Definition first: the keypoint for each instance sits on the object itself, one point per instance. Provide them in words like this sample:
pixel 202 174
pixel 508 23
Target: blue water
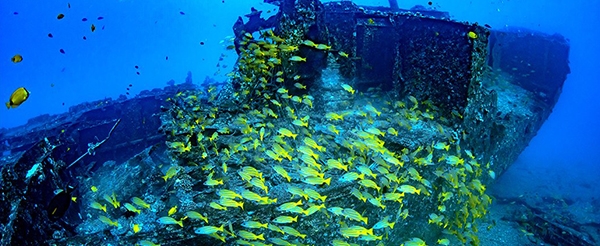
pixel 144 33
pixel 135 33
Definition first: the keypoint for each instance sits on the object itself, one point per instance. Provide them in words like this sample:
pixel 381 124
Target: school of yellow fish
pixel 268 165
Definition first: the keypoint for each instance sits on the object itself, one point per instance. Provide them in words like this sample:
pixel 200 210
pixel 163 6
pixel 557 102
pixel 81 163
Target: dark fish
pixel 201 43
pixel 15 13
pixel 93 28
pixel 62 51
pixel 430 3
pixel 69 5
pixel 181 12
pixel 84 38
pixel 136 67
pixel 60 16
pixel 84 19
pixel 102 27
pixel 127 88
pixel 59 204
pixel 130 85
pixel 167 58
pixel 50 35
pixel 138 73
pixel 488 26
pixel 100 18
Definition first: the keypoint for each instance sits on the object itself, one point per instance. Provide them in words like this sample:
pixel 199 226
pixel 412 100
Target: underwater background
pixel 140 45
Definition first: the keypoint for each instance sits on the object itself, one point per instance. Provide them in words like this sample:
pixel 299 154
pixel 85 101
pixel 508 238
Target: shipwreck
pixel 400 116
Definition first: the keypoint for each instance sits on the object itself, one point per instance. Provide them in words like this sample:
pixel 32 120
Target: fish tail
pixel 8 105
